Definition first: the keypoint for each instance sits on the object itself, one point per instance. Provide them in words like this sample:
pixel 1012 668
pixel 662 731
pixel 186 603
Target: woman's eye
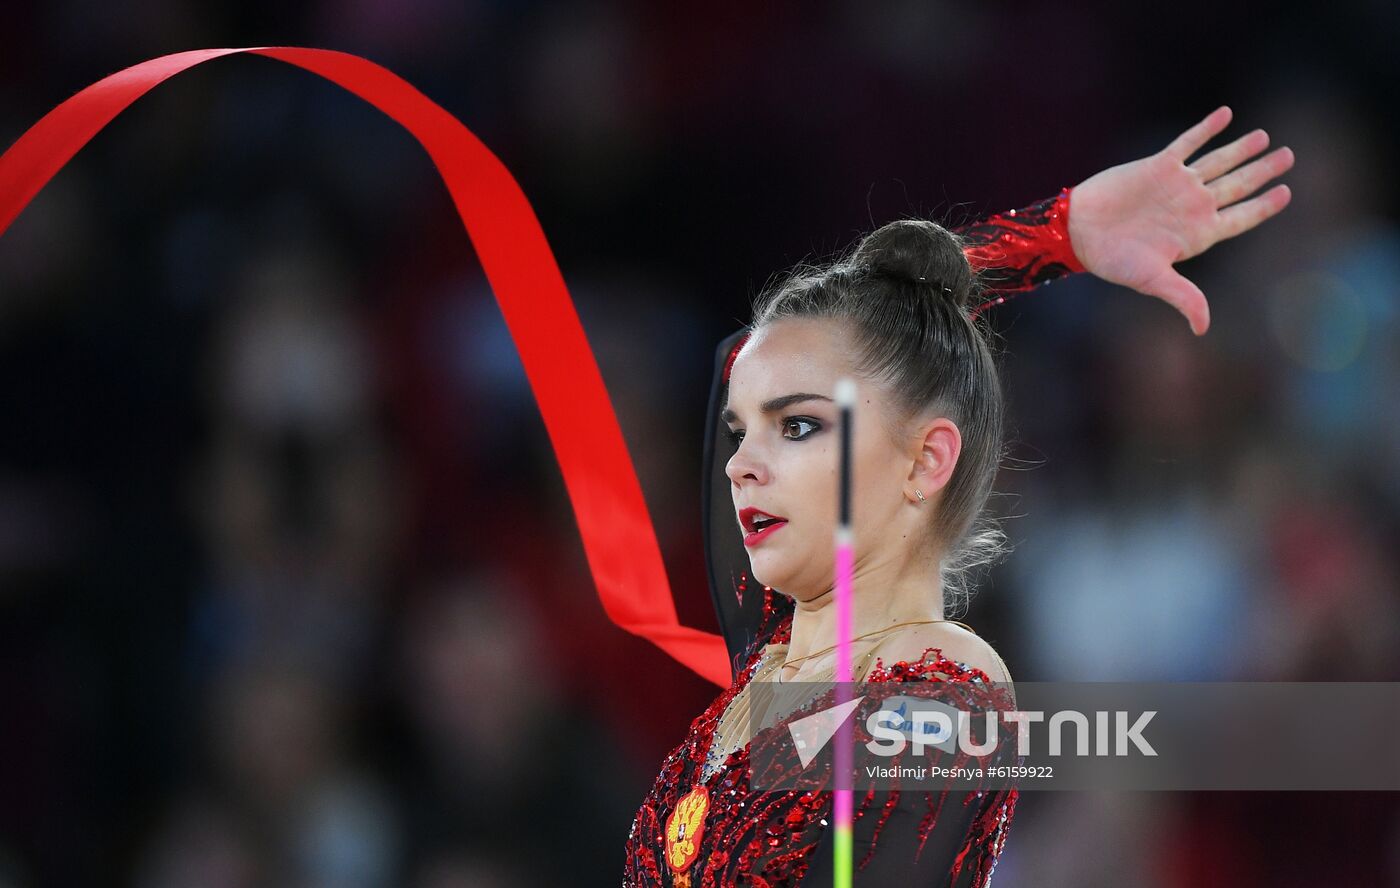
pixel 735 436
pixel 792 422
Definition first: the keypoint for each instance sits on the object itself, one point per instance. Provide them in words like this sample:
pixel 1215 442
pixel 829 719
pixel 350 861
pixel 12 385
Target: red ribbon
pixel 618 536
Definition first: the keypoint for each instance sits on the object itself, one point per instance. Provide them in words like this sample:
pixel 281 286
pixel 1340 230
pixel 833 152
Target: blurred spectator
pixel 494 745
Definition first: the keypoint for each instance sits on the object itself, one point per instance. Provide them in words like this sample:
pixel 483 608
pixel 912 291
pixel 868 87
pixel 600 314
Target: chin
pixel 784 582
pixel 769 571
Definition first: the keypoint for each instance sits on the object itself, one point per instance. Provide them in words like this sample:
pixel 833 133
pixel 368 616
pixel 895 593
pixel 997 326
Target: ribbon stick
pixel 845 569
pixel 618 536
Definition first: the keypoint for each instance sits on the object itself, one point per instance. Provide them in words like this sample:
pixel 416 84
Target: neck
pixel 883 595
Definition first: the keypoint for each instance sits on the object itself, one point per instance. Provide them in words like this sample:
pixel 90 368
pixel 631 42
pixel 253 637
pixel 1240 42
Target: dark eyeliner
pixel 816 426
pixel 736 436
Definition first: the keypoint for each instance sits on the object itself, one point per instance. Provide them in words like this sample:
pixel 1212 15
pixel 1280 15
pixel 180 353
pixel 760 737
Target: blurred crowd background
pixel 291 593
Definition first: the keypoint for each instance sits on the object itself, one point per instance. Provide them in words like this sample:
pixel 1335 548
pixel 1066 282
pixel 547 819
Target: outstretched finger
pixel 1189 142
pixel 1239 218
pixel 1222 160
pixel 1246 180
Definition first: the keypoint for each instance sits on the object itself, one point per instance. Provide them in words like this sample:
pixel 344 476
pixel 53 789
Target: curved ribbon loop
pixel 618 536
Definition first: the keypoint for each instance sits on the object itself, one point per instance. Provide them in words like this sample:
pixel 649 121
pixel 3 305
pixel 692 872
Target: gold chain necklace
pixel 735 717
pixel 787 663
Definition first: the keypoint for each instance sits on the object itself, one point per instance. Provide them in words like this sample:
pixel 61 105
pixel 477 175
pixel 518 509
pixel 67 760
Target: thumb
pixel 1182 295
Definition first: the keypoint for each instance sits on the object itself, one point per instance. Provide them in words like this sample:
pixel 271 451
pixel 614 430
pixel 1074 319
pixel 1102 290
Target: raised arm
pixel 1131 223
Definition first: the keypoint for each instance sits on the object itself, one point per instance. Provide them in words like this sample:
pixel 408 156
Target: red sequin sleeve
pixel 1018 250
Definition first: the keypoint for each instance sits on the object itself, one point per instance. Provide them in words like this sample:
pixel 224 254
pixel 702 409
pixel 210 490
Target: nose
pixel 744 468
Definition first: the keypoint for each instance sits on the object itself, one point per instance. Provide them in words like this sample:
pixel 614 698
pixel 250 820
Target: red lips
pixel 748 514
pixel 758 524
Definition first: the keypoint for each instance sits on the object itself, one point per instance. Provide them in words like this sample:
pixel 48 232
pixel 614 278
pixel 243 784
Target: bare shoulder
pixel 956 643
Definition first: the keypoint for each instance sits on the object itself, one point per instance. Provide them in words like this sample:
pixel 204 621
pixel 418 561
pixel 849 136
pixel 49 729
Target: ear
pixel 939 444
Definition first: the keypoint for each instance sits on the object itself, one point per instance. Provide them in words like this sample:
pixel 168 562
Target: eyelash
pixel 736 437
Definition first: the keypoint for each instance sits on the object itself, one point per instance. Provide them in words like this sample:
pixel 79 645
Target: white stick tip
pixel 845 392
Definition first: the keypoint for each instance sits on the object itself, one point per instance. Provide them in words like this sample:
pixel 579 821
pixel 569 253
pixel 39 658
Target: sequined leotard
pixel 749 837
pixel 775 838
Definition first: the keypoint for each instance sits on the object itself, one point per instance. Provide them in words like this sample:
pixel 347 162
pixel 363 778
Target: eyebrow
pixel 776 404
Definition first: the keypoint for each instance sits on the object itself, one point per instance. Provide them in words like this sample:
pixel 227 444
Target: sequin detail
pixel 1017 251
pixel 752 837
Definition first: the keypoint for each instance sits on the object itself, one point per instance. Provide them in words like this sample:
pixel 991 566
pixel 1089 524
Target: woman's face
pixel 787 463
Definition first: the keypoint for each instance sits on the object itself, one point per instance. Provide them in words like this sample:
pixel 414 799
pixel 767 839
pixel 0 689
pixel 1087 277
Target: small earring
pixel 920 494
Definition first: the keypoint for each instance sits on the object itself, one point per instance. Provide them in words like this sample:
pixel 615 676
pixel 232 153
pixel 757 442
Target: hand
pixel 1129 223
